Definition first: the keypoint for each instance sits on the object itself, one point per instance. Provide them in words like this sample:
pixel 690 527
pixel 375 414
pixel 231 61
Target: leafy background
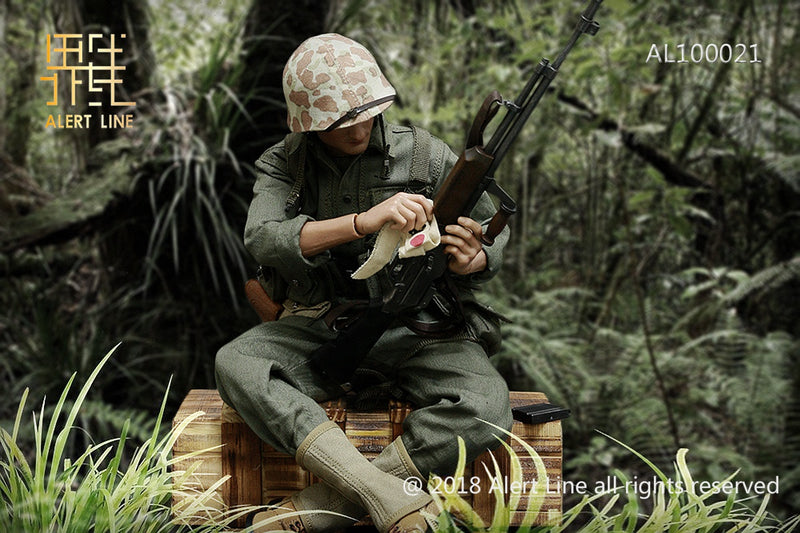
pixel 653 274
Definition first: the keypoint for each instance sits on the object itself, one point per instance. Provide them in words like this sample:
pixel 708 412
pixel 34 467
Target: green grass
pixel 103 489
pixel 670 511
pixel 109 489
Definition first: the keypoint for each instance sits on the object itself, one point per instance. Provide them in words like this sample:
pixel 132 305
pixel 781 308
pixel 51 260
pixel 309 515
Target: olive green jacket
pixel 334 188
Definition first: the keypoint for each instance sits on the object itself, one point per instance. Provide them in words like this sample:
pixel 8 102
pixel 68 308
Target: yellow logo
pixel 77 60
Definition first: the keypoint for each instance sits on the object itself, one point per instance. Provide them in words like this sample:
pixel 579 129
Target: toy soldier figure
pixel 321 197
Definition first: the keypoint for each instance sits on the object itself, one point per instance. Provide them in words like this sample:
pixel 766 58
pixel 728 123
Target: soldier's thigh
pixel 279 349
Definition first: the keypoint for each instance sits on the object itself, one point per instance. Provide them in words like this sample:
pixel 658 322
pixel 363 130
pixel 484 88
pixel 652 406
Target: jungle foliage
pixel 654 269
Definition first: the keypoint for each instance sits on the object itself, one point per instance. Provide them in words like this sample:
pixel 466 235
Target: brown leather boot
pixel 420 521
pixel 283 517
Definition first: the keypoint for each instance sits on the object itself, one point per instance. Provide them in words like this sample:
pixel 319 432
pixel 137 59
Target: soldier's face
pixel 352 140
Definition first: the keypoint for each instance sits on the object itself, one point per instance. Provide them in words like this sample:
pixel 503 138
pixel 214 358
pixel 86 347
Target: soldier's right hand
pixel 403 211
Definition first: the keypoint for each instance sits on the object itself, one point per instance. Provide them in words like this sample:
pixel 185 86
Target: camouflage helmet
pixel 331 81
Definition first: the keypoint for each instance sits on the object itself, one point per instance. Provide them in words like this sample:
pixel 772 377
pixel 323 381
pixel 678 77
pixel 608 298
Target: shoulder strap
pixel 295 146
pixel 419 179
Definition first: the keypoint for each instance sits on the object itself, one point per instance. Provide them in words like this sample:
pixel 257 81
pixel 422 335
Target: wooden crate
pixel 259 474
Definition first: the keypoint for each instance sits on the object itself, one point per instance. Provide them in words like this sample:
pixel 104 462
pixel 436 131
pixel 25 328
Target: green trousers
pixel 265 375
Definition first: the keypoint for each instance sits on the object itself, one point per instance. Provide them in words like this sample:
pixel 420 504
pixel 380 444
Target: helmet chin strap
pixel 353 113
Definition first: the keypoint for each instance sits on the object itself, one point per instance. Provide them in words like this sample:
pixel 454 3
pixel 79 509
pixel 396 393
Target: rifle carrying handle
pixel 498 222
pixel 489 108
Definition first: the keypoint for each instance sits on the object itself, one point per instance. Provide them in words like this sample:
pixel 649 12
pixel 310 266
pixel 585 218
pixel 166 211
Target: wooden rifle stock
pixel 463 186
pixel 454 196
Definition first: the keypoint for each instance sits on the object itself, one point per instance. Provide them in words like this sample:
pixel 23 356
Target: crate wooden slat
pixel 203 433
pixel 241 458
pixel 259 474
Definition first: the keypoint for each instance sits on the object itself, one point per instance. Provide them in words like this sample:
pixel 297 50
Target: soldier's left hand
pixel 463 243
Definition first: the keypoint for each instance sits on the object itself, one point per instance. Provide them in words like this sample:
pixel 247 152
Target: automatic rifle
pixel 473 174
pixel 416 280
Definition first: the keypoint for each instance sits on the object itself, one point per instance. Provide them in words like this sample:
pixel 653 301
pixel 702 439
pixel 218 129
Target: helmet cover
pixel 331 80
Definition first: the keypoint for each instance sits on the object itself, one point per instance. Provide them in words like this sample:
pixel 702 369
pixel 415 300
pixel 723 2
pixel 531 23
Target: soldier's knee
pixel 502 410
pixel 493 405
pixel 223 369
pixel 234 359
pixel 223 362
pixel 491 408
pixel 233 369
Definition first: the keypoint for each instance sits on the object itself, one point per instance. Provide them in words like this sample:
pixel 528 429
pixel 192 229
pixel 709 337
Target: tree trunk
pixel 268 43
pixel 20 32
pixel 5 68
pixel 129 18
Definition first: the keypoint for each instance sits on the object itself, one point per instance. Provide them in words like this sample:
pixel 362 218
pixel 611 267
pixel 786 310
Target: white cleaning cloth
pixel 388 240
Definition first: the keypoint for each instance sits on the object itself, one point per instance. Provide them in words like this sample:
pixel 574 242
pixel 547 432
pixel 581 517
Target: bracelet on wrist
pixel 355 227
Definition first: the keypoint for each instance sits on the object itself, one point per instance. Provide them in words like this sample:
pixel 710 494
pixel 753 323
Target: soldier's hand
pixel 463 242
pixel 403 210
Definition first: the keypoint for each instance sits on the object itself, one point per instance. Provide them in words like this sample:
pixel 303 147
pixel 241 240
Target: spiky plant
pixel 45 490
pixel 677 504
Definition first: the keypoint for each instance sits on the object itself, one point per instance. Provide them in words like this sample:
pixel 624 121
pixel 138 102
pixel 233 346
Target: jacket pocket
pixel 379 194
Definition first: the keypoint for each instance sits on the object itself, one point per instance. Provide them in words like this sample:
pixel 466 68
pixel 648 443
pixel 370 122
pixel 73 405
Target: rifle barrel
pixel 545 72
pixel 513 112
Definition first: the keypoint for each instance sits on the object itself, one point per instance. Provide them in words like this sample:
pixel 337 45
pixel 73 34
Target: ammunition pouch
pixel 292 308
